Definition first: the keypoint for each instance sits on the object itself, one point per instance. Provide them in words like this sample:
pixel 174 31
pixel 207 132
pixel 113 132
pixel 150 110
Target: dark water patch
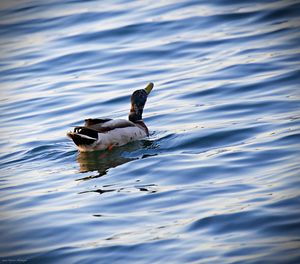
pixel 236 223
pixel 287 13
pixel 217 139
pixel 248 251
pixel 35 25
pixel 50 152
pixel 252 108
pixel 9 156
pixel 267 86
pixel 58 64
pixel 31 26
pixel 8 106
pixel 78 106
pixel 127 32
pixel 265 158
pixel 121 99
pixel 240 70
pixel 70 60
pixel 274 83
pixel 291 203
pixel 229 190
pixel 294 138
pixel 146 30
pixel 115 253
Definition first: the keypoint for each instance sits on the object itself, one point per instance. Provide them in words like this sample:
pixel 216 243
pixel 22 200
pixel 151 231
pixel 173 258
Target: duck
pixel 106 133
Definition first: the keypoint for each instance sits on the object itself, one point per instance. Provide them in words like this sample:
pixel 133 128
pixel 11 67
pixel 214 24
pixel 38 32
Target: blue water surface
pixel 217 181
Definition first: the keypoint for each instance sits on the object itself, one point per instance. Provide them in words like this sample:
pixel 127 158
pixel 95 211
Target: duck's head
pixel 138 100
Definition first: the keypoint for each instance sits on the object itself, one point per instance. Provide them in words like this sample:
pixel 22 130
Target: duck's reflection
pixel 102 161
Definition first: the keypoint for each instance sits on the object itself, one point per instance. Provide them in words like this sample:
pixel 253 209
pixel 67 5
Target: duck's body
pixel 99 134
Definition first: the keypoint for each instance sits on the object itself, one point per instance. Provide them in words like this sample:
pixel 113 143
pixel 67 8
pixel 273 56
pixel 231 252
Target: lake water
pixel 217 181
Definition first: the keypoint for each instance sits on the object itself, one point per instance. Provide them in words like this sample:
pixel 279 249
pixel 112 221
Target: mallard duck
pixel 105 133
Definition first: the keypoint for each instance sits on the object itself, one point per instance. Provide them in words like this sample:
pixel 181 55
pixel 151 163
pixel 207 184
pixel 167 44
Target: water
pixel 218 179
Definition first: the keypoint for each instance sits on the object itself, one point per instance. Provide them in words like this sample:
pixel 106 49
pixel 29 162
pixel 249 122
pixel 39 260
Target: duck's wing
pixel 96 124
pixel 95 121
pixel 102 125
pixel 111 125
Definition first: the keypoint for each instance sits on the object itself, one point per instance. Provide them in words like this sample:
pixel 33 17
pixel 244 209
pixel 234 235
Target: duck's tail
pixel 83 136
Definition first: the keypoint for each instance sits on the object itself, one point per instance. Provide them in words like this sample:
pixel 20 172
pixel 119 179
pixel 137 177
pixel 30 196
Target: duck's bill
pixel 149 88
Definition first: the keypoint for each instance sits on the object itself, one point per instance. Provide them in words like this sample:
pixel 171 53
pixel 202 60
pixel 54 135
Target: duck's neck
pixel 135 113
pixel 138 100
pixel 142 125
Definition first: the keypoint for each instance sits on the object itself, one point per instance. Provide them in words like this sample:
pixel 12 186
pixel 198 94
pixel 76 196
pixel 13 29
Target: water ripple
pixel 216 181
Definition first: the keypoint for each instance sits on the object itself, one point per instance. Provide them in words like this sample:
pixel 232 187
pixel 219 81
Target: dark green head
pixel 138 101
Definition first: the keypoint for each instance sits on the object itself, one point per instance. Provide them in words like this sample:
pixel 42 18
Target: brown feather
pixel 93 121
pixel 102 127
